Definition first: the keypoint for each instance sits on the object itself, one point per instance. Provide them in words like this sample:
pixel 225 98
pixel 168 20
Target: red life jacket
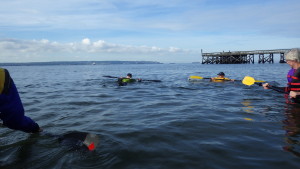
pixel 295 84
pixel 290 74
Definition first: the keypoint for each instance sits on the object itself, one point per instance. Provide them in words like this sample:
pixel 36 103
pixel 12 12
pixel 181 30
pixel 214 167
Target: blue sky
pixel 146 30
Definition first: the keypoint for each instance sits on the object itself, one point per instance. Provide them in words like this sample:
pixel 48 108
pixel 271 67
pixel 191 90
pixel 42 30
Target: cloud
pixel 264 17
pixel 45 50
pixel 86 41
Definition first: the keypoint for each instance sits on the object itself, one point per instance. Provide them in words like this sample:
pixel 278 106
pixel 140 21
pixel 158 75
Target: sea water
pixel 170 124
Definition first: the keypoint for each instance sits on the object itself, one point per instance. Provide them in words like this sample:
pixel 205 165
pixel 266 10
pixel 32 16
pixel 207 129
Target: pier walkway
pixel 243 57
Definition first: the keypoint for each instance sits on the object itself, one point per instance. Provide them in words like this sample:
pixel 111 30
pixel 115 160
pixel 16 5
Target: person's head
pixel 129 75
pixel 293 57
pixel 221 74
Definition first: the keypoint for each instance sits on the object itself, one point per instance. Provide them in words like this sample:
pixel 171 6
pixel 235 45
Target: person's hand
pixel 37 131
pixel 293 94
pixel 265 85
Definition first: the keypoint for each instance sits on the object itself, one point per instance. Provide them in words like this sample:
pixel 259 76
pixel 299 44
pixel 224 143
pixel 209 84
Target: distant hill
pixel 78 63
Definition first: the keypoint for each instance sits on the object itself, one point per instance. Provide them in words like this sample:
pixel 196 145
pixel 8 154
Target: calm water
pixel 172 124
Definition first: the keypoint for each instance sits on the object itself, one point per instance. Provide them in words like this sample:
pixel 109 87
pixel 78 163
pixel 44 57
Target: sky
pixel 145 30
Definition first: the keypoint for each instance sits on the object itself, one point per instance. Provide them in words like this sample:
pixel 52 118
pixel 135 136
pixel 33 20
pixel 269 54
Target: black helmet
pixel 129 74
pixel 221 74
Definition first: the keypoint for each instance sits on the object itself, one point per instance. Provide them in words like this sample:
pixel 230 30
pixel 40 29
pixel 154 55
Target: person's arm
pixel 276 88
pixel 12 111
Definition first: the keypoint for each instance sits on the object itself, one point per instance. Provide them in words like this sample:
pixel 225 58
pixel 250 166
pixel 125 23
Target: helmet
pixel 221 74
pixel 129 74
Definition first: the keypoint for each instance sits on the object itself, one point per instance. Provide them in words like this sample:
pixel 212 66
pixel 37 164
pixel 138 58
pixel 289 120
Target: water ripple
pixel 171 124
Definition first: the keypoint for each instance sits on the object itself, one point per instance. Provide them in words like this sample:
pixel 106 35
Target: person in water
pixel 122 81
pixel 11 107
pixel 293 77
pixel 220 78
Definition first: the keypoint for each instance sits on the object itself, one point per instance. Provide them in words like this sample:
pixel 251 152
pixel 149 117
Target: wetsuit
pixel 11 107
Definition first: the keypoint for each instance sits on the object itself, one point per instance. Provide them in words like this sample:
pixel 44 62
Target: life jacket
pixel 125 80
pixel 293 84
pixel 5 81
pixel 290 74
pixel 218 79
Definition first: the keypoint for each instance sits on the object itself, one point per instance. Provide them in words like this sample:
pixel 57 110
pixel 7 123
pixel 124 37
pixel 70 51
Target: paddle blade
pixel 195 77
pixel 111 76
pixel 152 80
pixel 248 80
pixel 91 141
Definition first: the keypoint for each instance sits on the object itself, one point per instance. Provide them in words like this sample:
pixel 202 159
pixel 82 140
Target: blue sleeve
pixel 12 112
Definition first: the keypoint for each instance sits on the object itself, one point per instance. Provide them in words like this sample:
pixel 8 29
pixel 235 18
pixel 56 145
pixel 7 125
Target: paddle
pixel 127 78
pixel 79 140
pixel 199 77
pixel 76 140
pixel 250 81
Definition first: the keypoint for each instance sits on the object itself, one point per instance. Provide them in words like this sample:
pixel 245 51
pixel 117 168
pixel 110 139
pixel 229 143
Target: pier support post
pixel 282 59
pixel 261 58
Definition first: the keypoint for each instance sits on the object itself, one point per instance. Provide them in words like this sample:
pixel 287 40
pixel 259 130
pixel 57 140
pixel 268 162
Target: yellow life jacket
pixel 217 79
pixel 5 81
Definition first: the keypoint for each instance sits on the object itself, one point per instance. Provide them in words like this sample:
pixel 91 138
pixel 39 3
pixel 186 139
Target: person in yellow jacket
pixel 221 78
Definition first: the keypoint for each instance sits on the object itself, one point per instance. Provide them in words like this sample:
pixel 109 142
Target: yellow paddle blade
pixel 196 77
pixel 248 80
pixel 249 119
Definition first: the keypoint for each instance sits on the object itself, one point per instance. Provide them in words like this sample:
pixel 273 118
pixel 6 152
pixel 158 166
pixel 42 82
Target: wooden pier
pixel 243 57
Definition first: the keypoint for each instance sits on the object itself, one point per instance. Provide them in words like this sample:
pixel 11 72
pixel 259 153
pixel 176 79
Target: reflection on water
pixel 291 122
pixel 292 128
pixel 248 108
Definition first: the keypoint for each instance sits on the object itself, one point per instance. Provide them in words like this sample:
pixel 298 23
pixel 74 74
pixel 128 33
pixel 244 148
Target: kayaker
pixel 220 78
pixel 11 107
pixel 293 87
pixel 122 81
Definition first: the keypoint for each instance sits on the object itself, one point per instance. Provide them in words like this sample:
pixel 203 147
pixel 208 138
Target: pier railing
pixel 243 57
